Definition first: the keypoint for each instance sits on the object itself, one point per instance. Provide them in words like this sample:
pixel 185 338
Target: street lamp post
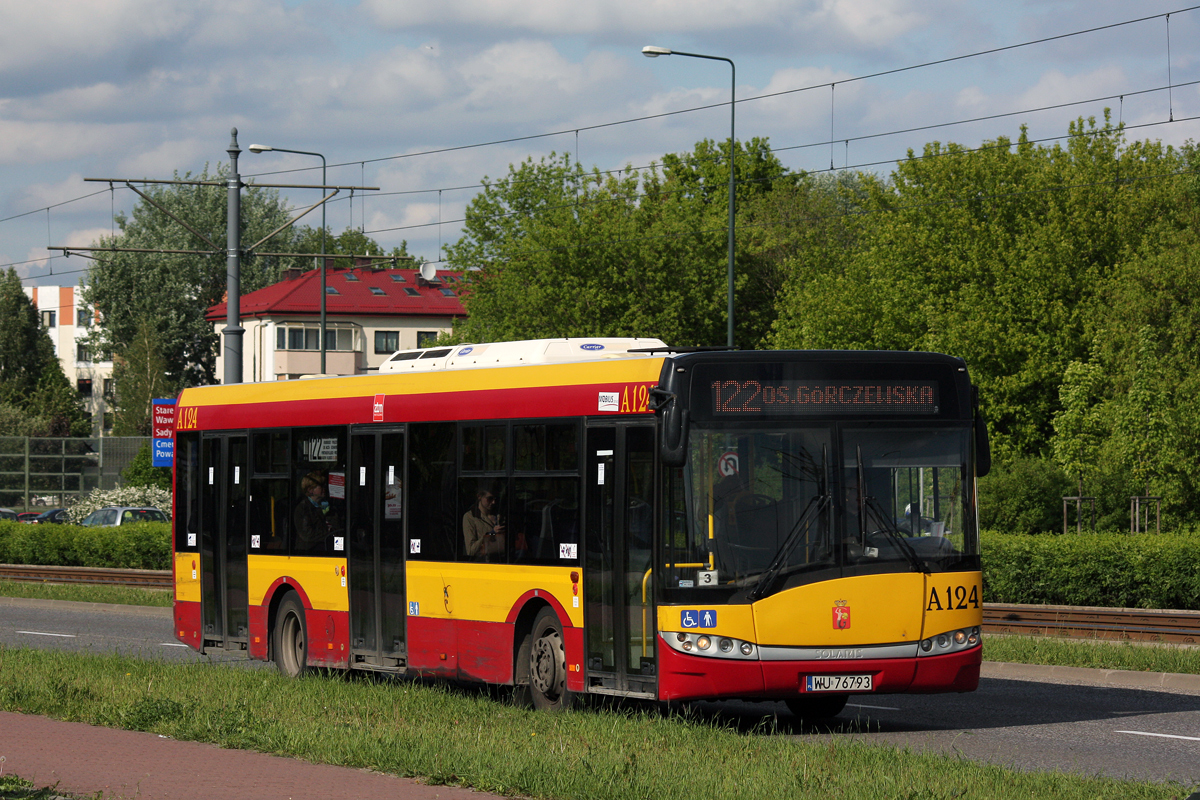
pixel 262 148
pixel 651 51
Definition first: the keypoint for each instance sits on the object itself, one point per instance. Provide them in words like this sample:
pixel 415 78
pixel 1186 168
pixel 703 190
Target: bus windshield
pixel 756 510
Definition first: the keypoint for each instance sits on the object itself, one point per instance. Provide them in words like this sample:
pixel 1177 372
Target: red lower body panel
pixel 260 635
pixel 687 677
pixel 187 623
pixel 328 638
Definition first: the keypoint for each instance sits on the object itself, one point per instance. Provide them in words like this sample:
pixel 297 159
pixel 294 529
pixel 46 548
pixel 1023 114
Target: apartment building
pixel 370 314
pixel 68 322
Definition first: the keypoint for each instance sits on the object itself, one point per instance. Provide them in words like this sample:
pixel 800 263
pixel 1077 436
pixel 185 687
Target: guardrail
pixel 1112 624
pixel 144 578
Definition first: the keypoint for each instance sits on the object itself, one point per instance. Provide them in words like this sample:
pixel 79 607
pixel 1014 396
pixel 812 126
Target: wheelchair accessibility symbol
pixel 698 618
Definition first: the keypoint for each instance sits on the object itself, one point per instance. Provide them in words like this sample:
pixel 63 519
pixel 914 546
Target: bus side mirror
pixel 983 446
pixel 672 449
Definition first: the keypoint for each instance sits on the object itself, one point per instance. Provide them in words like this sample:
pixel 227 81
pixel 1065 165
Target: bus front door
pixel 223 545
pixel 376 557
pixel 619 602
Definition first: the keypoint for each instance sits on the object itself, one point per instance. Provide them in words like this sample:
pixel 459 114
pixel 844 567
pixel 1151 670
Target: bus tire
pixel 826 706
pixel 289 638
pixel 548 664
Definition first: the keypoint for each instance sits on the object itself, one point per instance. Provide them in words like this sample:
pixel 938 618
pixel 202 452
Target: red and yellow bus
pixel 594 516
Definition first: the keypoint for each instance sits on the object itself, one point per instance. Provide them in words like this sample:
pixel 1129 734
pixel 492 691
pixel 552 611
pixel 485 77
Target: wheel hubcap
pixel 546 671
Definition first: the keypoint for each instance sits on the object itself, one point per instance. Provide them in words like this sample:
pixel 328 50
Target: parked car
pixel 8 513
pixel 51 515
pixel 110 516
pixel 26 516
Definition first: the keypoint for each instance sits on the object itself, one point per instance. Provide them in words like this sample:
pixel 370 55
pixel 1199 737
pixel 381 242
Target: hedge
pixel 1115 570
pixel 142 545
pixel 1087 569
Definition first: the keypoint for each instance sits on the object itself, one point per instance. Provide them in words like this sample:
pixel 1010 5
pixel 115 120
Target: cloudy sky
pixel 396 93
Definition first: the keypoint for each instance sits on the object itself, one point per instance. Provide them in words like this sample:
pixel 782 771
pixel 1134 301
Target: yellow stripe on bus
pixel 486 592
pixel 322 579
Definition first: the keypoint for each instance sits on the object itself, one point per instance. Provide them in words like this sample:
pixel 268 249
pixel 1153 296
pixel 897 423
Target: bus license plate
pixel 837 683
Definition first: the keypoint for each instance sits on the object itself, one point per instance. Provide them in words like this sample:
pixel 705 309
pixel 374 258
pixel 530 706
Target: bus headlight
pixel 950 642
pixel 709 645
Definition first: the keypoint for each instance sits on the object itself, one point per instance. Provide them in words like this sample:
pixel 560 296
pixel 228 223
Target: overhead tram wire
pixel 847 167
pixel 575 130
pixel 972 198
pixel 914 157
pixel 823 143
pixel 882 73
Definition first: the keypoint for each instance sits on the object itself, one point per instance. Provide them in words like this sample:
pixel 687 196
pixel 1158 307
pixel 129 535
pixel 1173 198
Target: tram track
pixel 142 578
pixel 1111 624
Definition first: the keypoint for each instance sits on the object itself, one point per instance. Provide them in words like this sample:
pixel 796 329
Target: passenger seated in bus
pixel 312 515
pixel 483 534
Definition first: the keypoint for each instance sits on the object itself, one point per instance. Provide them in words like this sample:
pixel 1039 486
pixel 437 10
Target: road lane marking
pixel 879 708
pixel 172 644
pixel 42 633
pixel 1163 735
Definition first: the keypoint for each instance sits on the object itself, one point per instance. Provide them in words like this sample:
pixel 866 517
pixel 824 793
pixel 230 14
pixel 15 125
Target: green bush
pixel 1117 570
pixel 143 545
pixel 1024 495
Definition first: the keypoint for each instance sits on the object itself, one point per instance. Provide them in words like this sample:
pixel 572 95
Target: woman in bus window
pixel 483 534
pixel 312 515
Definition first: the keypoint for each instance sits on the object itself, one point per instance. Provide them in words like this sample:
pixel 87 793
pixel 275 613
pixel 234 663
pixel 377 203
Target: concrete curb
pixel 1101 677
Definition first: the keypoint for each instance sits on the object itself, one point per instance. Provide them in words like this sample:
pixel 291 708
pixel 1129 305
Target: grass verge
pixel 453 737
pixel 15 788
pixel 122 595
pixel 1094 654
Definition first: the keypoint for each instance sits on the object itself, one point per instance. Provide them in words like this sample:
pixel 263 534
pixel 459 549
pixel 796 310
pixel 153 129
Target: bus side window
pixel 434 517
pixel 319 483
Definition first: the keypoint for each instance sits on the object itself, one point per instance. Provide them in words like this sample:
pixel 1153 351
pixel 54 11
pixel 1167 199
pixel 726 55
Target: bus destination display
pixel 813 397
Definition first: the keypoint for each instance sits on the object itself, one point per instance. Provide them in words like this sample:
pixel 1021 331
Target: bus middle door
pixel 618 597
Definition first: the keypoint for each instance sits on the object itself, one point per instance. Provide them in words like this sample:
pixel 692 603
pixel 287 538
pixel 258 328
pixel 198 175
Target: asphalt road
pixel 1028 720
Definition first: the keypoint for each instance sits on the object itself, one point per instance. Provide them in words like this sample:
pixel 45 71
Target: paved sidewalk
pixel 129 765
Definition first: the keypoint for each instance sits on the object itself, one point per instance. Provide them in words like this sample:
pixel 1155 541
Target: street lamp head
pixel 650 51
pixel 259 148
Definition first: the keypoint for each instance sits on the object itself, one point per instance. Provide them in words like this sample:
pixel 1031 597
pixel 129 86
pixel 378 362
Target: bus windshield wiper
pixel 889 527
pixel 815 506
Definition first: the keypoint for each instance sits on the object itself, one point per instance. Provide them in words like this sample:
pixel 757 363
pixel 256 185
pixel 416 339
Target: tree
pixel 554 250
pixel 351 241
pixel 176 290
pixel 40 400
pixel 1078 426
pixel 25 349
pixel 140 375
pixel 1001 255
pixel 142 472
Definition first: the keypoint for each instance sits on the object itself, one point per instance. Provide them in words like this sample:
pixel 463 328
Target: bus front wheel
pixel 290 638
pixel 548 664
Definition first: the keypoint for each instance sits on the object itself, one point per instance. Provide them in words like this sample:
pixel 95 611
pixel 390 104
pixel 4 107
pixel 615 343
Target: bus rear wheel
pixel 289 639
pixel 548 664
pixel 820 707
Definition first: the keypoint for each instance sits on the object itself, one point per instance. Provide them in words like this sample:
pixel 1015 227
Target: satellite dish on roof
pixel 428 271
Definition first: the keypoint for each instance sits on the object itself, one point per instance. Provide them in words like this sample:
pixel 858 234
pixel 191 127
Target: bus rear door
pixel 223 545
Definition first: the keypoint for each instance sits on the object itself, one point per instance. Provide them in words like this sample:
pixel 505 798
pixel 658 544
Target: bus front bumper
pixel 688 677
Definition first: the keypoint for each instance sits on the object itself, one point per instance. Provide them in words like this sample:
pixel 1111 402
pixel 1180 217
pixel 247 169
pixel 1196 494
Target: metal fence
pixel 40 472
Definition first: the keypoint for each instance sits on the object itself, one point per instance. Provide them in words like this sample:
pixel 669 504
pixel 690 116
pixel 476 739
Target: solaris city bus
pixel 594 516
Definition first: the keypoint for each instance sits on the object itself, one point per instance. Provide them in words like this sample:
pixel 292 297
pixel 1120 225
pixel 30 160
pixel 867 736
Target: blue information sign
pixel 698 618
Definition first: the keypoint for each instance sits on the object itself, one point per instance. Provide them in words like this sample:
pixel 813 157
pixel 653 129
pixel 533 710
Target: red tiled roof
pixel 302 295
